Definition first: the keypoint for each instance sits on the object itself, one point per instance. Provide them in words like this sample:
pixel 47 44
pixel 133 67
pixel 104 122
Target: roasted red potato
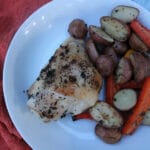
pixel 99 36
pixel 115 28
pixel 120 47
pixel 137 44
pixel 105 65
pixel 78 29
pixel 91 50
pixel 123 71
pixel 108 135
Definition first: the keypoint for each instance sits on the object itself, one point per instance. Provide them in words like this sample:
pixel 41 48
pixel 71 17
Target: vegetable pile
pixel 120 50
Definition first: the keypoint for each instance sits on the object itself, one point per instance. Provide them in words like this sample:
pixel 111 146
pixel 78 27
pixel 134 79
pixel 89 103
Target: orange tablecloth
pixel 12 15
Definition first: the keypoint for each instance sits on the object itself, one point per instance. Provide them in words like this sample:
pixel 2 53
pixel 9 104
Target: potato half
pixel 99 36
pixel 125 13
pixel 123 71
pixel 115 28
pixel 106 115
pixel 125 99
pixel 137 44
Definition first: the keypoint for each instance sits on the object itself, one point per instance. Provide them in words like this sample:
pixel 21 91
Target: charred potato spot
pixel 78 29
pixel 108 135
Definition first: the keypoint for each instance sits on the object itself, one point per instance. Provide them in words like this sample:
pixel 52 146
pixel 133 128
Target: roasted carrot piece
pixel 84 115
pixel 110 89
pixel 130 85
pixel 141 31
pixel 141 107
pixel 128 53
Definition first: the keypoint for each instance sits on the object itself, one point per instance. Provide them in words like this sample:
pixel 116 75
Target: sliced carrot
pixel 141 31
pixel 141 107
pixel 110 89
pixel 84 115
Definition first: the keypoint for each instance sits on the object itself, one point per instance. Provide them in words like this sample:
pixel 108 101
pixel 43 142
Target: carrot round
pixel 141 31
pixel 84 115
pixel 141 107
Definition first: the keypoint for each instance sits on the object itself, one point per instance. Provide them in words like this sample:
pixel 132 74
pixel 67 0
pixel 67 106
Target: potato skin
pixel 108 135
pixel 78 29
pixel 111 52
pixel 141 66
pixel 120 47
pixel 99 36
pixel 137 44
pixel 91 50
pixel 123 71
pixel 117 29
pixel 105 65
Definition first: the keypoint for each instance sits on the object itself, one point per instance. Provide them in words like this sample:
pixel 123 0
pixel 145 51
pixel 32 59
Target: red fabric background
pixel 12 15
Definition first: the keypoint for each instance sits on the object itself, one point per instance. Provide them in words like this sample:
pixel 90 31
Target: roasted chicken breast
pixel 68 84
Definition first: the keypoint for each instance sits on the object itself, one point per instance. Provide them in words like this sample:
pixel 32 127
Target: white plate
pixel 29 51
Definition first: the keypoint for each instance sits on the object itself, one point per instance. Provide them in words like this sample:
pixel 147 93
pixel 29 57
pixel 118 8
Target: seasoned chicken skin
pixel 68 84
